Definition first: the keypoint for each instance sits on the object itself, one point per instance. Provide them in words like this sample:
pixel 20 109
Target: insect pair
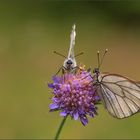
pixel 120 95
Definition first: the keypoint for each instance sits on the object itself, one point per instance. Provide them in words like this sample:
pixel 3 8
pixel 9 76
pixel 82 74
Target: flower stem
pixel 60 128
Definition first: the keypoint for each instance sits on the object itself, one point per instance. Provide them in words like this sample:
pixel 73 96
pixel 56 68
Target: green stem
pixel 60 128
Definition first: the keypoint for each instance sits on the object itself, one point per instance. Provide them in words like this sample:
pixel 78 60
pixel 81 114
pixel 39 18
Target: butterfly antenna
pixel 59 54
pixel 98 57
pixel 106 50
pixel 79 54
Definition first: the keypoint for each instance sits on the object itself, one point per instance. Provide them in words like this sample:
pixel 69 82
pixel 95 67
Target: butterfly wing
pixel 72 43
pixel 121 96
pixel 138 84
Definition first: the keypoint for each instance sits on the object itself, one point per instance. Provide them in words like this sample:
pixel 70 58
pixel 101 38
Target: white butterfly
pixel 120 95
pixel 70 64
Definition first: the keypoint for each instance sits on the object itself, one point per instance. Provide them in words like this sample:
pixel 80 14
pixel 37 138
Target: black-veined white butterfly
pixel 70 64
pixel 120 95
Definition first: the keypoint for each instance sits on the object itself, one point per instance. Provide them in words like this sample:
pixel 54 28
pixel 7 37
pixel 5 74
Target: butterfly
pixel 69 64
pixel 119 94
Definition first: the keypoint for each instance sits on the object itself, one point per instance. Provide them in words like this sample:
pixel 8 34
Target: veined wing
pixel 120 95
pixel 138 84
pixel 72 43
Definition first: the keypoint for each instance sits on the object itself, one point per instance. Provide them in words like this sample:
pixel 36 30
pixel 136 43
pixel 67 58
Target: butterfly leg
pixel 75 69
pixel 61 68
pixel 64 70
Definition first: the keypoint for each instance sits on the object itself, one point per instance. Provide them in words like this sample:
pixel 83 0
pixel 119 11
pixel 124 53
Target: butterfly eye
pixel 96 70
pixel 69 62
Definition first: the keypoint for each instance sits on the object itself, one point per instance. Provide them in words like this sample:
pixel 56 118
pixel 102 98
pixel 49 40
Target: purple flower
pixel 74 95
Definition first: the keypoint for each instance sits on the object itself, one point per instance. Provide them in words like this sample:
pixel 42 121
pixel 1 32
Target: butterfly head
pixel 100 61
pixel 69 63
pixel 96 71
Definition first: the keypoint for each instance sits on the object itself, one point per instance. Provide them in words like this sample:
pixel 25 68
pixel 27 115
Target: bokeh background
pixel 29 33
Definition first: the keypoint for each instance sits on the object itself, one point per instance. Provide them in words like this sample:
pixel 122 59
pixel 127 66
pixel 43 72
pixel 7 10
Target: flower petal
pixel 84 119
pixel 56 100
pixel 54 106
pixel 63 113
pixel 76 116
pixel 50 85
pixel 56 79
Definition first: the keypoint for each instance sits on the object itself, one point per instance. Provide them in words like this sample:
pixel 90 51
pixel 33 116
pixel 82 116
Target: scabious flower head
pixel 74 95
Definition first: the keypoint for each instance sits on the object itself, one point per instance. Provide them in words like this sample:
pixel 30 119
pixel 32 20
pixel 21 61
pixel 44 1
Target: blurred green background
pixel 29 33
